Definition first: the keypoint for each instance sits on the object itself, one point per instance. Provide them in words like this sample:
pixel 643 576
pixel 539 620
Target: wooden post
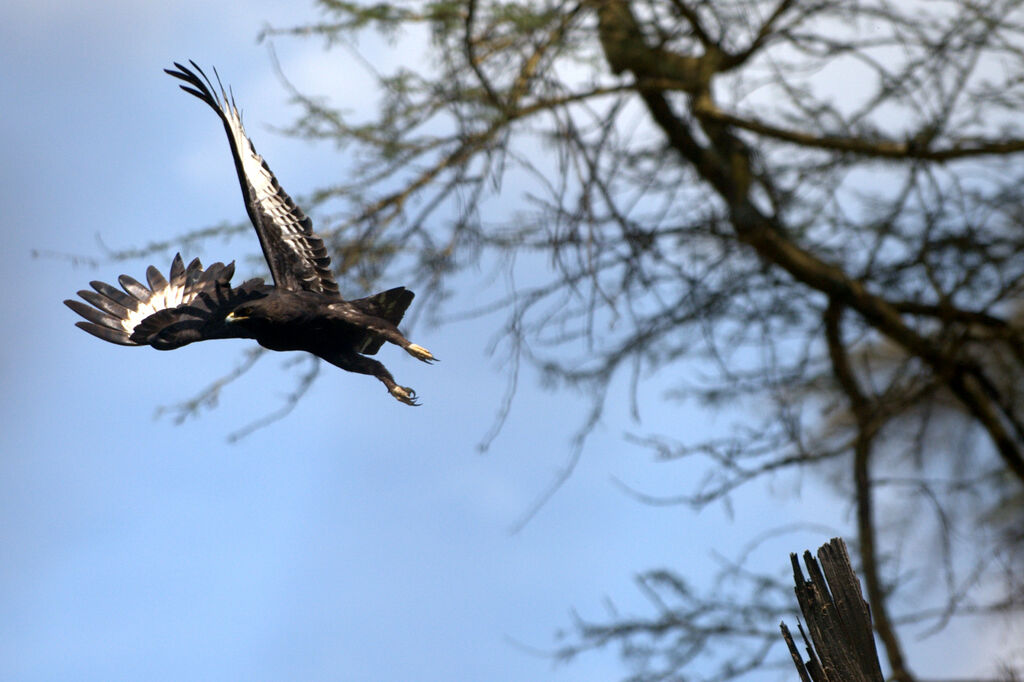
pixel 842 642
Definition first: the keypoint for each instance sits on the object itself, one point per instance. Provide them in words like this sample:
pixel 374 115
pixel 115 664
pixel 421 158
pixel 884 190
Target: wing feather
pixel 177 273
pixel 118 336
pixel 297 257
pixel 95 316
pixel 135 289
pixel 114 294
pixel 155 279
pixel 193 271
pixel 104 303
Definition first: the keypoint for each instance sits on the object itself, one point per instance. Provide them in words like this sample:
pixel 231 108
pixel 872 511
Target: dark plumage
pixel 302 311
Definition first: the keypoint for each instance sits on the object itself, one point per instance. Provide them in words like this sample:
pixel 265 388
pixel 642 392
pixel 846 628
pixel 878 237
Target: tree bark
pixel 842 642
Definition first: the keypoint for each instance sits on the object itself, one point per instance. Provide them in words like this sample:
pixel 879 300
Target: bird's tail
pixel 389 305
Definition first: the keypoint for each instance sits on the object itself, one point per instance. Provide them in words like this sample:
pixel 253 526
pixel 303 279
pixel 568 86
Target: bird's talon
pixel 420 353
pixel 405 395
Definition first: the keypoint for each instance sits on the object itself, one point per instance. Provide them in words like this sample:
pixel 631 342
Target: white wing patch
pixel 253 165
pixel 170 297
pixel 267 192
pixel 115 315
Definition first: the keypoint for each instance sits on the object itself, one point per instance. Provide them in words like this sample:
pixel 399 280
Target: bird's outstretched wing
pixel 189 305
pixel 295 254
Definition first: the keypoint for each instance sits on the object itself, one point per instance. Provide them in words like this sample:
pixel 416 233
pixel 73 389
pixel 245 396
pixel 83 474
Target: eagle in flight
pixel 303 310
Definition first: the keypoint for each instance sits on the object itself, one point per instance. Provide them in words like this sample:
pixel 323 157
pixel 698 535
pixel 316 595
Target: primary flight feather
pixel 301 311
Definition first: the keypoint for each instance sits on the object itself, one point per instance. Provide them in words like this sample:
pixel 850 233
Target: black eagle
pixel 302 311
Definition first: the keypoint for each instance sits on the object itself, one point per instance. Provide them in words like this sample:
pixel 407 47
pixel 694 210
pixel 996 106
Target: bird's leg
pixel 390 333
pixel 386 329
pixel 420 353
pixel 354 362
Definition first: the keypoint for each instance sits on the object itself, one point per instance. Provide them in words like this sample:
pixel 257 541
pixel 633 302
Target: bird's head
pixel 249 313
pixel 242 312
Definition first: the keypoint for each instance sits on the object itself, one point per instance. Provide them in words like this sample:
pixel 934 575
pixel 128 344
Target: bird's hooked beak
pixel 233 317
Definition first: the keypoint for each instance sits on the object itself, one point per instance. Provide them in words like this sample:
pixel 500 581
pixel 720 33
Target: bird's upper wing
pixel 188 305
pixel 295 254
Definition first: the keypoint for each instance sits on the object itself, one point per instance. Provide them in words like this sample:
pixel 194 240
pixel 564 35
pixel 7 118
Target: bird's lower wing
pixel 189 305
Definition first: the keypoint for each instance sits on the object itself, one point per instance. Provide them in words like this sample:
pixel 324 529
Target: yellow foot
pixel 420 353
pixel 405 395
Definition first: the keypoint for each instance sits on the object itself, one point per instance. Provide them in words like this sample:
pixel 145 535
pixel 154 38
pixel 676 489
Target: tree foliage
pixel 818 203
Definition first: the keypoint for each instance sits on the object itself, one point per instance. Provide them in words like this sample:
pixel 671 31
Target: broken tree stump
pixel 842 641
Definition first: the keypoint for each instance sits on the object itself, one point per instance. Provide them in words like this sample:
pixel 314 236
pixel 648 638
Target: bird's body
pixel 302 311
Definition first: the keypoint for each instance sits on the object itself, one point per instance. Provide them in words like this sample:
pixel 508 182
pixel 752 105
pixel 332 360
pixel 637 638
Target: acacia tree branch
pixel 726 165
pixel 883 149
pixel 862 410
pixel 468 44
pixel 696 25
pixel 763 34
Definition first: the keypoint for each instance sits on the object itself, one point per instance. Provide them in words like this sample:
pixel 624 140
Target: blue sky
pixel 357 539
